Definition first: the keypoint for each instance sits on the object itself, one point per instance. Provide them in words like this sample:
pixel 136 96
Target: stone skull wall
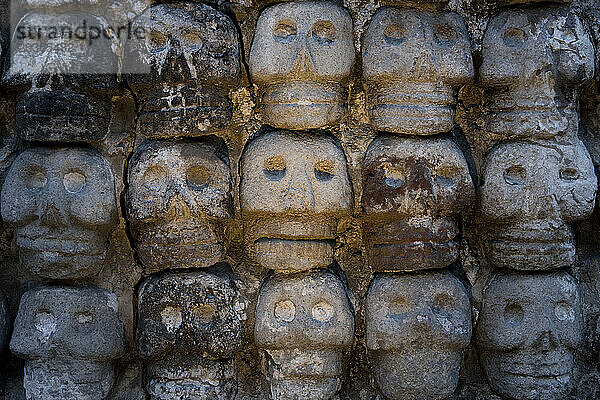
pixel 300 200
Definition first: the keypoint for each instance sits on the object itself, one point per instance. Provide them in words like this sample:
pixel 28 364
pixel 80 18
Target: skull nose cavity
pixel 178 209
pixel 299 194
pixel 304 64
pixel 51 216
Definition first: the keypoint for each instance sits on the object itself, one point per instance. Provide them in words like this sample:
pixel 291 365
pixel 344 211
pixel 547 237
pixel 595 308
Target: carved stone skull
pixel 417 327
pixel 178 198
pixel 301 59
pixel 413 190
pixel 413 64
pixel 528 333
pixel 62 203
pixel 189 330
pixel 69 338
pixel 294 190
pixel 304 324
pixel 529 197
pixel 193 57
pixel 64 84
pixel 532 63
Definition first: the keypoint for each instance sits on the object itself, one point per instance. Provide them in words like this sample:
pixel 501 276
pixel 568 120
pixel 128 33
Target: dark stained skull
pixel 178 197
pixel 413 190
pixel 530 196
pixel 69 338
pixel 294 190
pixel 413 64
pixel 62 203
pixel 417 327
pixel 189 330
pixel 182 69
pixel 528 333
pixel 301 58
pixel 303 326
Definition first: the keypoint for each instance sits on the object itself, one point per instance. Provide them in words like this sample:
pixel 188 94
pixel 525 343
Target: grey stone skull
pixel 417 327
pixel 529 197
pixel 413 190
pixel 294 190
pixel 303 326
pixel 188 330
pixel 413 64
pixel 64 84
pixel 532 63
pixel 178 197
pixel 528 333
pixel 193 57
pixel 69 338
pixel 301 58
pixel 62 203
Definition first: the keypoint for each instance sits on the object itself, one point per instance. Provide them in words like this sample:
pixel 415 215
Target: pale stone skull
pixel 417 327
pixel 294 190
pixel 530 195
pixel 178 198
pixel 70 338
pixel 188 330
pixel 301 59
pixel 193 56
pixel 63 205
pixel 528 333
pixel 413 64
pixel 532 63
pixel 303 326
pixel 413 190
pixel 64 84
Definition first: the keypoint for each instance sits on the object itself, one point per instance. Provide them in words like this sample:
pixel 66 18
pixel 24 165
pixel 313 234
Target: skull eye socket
pixel 285 30
pixel 74 182
pixel 399 305
pixel 442 301
pixel 324 170
pixel 35 178
pixel 84 318
pixel 197 177
pixel 157 41
pixel 285 310
pixel 171 318
pixel 274 168
pixel 447 176
pixel 514 37
pixel 216 49
pixel 191 38
pixel 324 32
pixel 445 34
pixel 513 314
pixel 515 175
pixel 322 311
pixel 395 34
pixel 204 313
pixel 155 178
pixel 564 312
pixel 569 174
pixel 393 176
pixel 44 321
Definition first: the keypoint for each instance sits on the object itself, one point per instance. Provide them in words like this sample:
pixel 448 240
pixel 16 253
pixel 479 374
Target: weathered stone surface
pixel 528 334
pixel 62 204
pixel 413 190
pixel 303 325
pixel 530 196
pixel 294 190
pixel 417 328
pixel 69 338
pixel 4 324
pixel 179 197
pixel 301 58
pixel 413 64
pixel 182 69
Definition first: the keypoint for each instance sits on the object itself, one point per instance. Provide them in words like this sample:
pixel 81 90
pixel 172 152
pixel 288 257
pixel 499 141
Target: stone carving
pixel 301 58
pixel 413 190
pixel 528 332
pixel 188 329
pixel 193 57
pixel 417 327
pixel 413 64
pixel 62 95
pixel 530 196
pixel 533 61
pixel 69 338
pixel 178 198
pixel 62 203
pixel 303 325
pixel 294 190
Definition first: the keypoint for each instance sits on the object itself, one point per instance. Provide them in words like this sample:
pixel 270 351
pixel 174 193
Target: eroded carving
pixel 413 64
pixel 294 190
pixel 530 196
pixel 69 338
pixel 301 58
pixel 303 325
pixel 413 190
pixel 62 203
pixel 188 329
pixel 528 333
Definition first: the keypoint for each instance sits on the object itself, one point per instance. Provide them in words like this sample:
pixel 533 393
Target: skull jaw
pixel 293 255
pixel 531 256
pixel 526 124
